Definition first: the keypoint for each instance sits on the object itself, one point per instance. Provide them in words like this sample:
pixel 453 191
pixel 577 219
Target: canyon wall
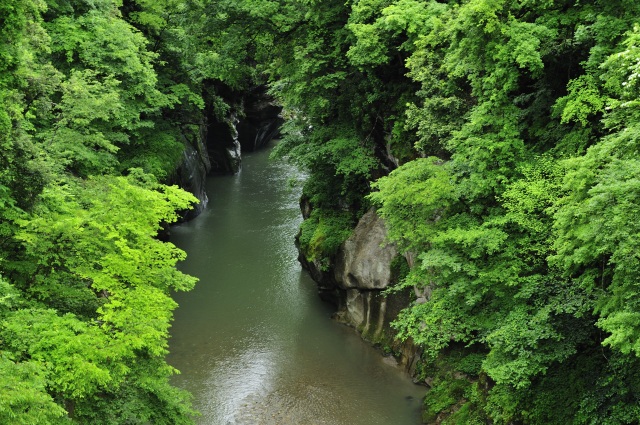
pixel 356 281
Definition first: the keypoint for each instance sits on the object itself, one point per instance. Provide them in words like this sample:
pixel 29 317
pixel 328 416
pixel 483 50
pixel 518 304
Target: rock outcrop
pixel 261 120
pixel 361 271
pixel 192 172
pixel 223 145
pixel 364 260
pixel 250 124
pixel 252 121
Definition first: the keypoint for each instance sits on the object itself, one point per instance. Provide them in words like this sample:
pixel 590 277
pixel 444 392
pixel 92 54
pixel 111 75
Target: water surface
pixel 254 343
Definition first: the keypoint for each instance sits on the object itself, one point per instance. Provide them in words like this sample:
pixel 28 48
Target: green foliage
pixel 399 268
pixel 521 250
pixel 613 397
pixel 420 188
pixel 583 100
pixel 147 396
pixel 25 399
pixel 497 138
pixel 79 140
pixel 339 169
pixel 95 259
pixel 594 246
pixel 339 165
pixel 100 240
pixel 322 234
pixel 86 307
pixel 454 388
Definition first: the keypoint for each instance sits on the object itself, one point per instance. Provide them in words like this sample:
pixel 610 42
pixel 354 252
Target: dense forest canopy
pixel 497 138
pixel 498 141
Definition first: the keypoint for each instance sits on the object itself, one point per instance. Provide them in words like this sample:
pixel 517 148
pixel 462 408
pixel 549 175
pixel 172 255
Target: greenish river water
pixel 254 343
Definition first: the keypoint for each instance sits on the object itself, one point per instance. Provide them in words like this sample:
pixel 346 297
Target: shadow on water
pixel 254 343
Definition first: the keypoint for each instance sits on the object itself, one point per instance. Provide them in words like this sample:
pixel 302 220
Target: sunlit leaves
pixel 84 320
pixel 25 399
pixel 74 353
pixel 413 198
pixel 113 243
pixel 139 319
pixel 91 242
pixel 584 100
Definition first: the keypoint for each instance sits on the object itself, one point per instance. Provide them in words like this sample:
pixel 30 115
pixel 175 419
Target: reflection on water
pixel 252 340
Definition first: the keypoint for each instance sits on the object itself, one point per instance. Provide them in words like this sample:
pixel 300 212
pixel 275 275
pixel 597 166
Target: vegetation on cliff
pixel 514 127
pixel 498 139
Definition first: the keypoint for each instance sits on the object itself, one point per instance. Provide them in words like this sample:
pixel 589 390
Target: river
pixel 254 343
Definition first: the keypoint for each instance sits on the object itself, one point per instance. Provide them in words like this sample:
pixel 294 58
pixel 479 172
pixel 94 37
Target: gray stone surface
pixel 365 258
pixel 362 271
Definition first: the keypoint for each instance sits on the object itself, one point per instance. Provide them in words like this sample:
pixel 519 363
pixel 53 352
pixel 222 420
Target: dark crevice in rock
pixel 260 121
pixel 251 122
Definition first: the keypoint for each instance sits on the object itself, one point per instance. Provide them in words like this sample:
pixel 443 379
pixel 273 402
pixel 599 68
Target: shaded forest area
pixel 498 139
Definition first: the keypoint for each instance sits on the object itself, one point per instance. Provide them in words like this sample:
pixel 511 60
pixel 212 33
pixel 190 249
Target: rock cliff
pixel 251 122
pixel 355 282
pixel 192 171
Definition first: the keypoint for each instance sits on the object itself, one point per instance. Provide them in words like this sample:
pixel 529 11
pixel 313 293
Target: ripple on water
pixel 305 403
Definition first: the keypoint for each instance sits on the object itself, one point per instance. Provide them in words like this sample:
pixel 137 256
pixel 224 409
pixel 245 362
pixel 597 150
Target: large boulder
pixel 364 260
pixel 355 281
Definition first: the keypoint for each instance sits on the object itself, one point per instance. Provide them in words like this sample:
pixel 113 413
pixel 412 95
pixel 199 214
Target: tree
pixel 97 305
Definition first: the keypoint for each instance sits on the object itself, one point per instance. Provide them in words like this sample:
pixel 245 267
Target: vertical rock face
pixel 261 121
pixel 223 146
pixel 253 121
pixel 362 270
pixel 192 172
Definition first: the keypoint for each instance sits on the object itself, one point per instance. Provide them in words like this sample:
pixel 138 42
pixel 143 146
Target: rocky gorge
pixel 249 124
pixel 359 276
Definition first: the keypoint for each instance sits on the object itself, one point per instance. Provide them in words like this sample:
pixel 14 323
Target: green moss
pixel 378 338
pixel 322 234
